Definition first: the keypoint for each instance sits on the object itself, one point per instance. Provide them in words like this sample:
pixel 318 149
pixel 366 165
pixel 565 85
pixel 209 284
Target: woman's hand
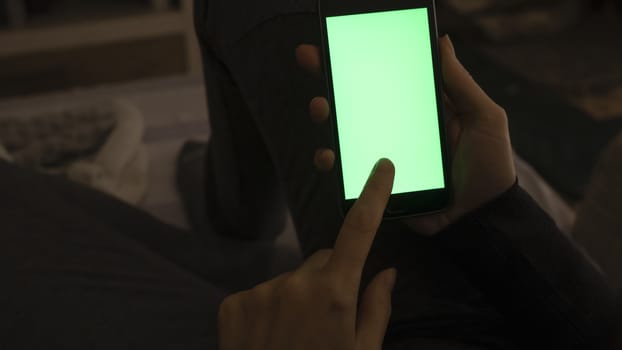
pixel 317 306
pixel 478 136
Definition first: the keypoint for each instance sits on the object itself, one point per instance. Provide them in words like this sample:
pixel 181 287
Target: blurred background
pixel 555 65
pixel 104 92
pixel 48 45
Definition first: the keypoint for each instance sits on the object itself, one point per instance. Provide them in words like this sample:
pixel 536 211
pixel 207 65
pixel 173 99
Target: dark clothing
pixel 81 270
pixel 251 53
pixel 515 255
pixel 85 271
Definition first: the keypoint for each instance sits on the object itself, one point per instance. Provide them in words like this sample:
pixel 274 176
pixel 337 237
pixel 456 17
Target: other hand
pixel 317 306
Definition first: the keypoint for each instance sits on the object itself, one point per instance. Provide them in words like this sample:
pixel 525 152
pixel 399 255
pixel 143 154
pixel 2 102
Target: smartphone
pixel 385 88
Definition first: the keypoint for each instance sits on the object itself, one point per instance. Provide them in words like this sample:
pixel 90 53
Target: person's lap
pixel 432 297
pixel 84 270
pixel 77 260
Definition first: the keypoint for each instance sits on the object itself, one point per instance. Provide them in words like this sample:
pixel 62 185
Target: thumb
pixel 375 311
pixel 465 94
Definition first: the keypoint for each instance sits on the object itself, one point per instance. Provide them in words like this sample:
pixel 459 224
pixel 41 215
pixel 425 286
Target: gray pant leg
pixel 432 297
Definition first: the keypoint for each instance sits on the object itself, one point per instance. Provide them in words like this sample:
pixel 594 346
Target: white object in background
pixel 121 165
pixel 4 154
pixel 16 11
pixel 549 200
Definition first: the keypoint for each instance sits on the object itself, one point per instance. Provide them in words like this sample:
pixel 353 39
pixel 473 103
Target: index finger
pixel 466 95
pixel 361 224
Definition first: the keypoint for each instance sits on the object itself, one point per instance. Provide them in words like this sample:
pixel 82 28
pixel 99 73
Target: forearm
pixel 532 272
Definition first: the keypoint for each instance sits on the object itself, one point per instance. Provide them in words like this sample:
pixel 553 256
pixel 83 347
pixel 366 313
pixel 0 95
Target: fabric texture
pixel 533 273
pixel 97 145
pixel 434 296
pixel 83 270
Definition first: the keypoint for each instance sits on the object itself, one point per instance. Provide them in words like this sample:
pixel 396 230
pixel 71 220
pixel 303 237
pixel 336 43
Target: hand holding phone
pixel 384 82
pixel 477 132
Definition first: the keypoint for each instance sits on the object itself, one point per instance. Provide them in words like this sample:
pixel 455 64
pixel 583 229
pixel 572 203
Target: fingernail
pixel 391 278
pixel 378 164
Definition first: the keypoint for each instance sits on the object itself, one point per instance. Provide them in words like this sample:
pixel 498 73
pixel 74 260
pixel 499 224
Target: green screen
pixel 385 98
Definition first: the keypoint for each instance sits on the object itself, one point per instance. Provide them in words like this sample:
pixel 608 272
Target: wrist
pixel 510 193
pixel 434 224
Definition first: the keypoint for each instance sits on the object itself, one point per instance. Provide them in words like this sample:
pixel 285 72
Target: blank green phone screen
pixel 385 98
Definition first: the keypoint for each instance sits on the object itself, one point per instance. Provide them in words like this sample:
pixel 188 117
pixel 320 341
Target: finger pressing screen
pixel 361 224
pixel 308 57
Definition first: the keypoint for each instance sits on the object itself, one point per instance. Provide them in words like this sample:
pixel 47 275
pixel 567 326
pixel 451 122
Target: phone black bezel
pixel 406 204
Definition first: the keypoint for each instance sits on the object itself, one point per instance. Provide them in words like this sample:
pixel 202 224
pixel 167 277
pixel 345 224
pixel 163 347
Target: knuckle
pixel 328 292
pixel 494 115
pixel 339 302
pixel 498 113
pixel 337 295
pixel 501 114
pixel 295 288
